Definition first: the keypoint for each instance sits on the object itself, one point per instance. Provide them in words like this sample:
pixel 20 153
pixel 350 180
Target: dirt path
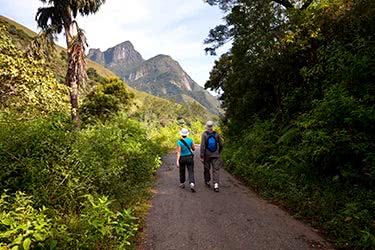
pixel 233 219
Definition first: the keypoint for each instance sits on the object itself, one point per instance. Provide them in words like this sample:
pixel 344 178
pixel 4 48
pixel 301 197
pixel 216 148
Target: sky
pixel 172 27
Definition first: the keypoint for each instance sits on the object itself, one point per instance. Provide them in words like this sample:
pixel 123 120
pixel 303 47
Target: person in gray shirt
pixel 211 146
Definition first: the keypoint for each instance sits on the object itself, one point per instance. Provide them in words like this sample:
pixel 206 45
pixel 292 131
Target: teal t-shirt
pixel 185 151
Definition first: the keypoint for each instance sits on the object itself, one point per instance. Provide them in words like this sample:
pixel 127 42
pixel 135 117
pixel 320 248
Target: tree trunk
pixel 70 32
pixel 74 93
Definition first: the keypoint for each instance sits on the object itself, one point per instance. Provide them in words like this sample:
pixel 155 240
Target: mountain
pixel 120 58
pixel 160 75
pixel 160 109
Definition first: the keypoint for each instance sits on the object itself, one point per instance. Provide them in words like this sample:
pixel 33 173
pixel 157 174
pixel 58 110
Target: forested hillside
pixel 300 110
pixel 68 188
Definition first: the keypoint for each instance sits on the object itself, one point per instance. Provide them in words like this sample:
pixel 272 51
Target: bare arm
pixel 178 154
pixel 192 145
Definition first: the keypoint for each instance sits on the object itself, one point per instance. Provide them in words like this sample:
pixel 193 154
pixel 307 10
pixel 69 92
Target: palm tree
pixel 60 15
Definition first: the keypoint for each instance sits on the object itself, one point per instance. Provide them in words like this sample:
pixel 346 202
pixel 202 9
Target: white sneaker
pixel 182 185
pixel 192 187
pixel 216 187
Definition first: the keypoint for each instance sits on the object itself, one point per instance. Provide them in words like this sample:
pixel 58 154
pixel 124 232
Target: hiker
pixel 185 159
pixel 211 146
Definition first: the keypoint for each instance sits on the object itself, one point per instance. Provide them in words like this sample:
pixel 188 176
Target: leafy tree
pixel 26 84
pixel 252 11
pixel 299 80
pixel 107 99
pixel 59 15
pixel 227 4
pixel 94 76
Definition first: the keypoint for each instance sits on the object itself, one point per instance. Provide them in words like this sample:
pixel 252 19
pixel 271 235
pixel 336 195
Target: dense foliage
pixel 300 110
pixel 70 175
pixel 26 84
pixel 106 99
pixel 64 188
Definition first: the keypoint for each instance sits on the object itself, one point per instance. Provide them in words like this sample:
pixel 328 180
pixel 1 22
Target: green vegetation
pixel 78 182
pixel 300 109
pixel 63 188
pixel 164 119
pixel 108 98
pixel 26 84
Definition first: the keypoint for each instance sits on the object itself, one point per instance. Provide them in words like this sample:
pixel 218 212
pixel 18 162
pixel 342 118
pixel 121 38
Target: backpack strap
pixel 212 133
pixel 186 145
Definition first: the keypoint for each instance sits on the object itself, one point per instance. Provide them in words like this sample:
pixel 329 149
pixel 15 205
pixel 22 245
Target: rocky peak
pixel 96 55
pixel 123 54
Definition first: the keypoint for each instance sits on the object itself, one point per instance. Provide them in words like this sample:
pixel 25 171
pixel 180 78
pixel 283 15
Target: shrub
pixel 24 227
pixel 80 181
pixel 338 137
pixel 116 158
pixel 36 156
pixel 107 99
pixel 294 167
pixel 99 227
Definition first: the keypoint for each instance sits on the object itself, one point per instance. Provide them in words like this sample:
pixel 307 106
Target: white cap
pixel 209 124
pixel 184 132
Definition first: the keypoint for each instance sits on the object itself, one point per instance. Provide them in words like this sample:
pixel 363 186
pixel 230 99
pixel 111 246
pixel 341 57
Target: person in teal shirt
pixel 185 159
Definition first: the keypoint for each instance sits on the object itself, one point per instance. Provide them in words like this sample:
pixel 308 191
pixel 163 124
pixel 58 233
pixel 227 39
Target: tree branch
pixel 288 5
pixel 306 4
pixel 285 3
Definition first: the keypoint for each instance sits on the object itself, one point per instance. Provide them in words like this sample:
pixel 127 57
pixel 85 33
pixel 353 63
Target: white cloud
pixel 173 27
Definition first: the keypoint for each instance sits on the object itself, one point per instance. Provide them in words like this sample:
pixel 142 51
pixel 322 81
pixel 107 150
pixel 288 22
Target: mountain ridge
pixel 160 75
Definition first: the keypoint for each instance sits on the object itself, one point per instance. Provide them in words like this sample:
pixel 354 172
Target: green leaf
pixel 53 245
pixel 39 237
pixel 26 244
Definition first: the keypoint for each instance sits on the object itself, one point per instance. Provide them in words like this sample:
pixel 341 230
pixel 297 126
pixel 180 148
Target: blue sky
pixel 172 27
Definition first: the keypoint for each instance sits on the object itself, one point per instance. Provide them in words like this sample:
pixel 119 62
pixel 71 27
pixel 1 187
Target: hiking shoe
pixel 216 187
pixel 182 185
pixel 192 187
pixel 208 184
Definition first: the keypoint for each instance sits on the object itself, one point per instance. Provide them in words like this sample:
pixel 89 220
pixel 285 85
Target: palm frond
pixel 43 45
pixel 86 7
pixel 49 16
